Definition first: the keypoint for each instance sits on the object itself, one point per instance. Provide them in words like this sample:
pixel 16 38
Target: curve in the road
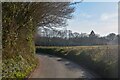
pixel 55 67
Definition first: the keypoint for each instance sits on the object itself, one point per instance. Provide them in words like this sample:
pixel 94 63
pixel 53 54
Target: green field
pixel 100 59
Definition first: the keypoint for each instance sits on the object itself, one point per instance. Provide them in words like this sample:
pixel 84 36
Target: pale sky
pixel 102 17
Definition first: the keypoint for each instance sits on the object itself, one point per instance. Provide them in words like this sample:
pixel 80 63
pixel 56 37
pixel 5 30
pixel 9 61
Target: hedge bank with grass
pixel 18 49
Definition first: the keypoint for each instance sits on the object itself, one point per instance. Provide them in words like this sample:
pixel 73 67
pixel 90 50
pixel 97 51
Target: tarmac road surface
pixel 56 67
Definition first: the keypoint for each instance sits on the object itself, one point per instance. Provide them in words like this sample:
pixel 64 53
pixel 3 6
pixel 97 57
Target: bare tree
pixel 21 19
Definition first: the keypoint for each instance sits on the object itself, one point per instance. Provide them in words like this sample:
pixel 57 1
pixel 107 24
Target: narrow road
pixel 55 67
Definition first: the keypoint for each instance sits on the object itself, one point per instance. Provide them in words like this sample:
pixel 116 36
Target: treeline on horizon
pixel 48 37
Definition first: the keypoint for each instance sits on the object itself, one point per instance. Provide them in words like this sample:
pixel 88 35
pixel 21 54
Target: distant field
pixel 101 59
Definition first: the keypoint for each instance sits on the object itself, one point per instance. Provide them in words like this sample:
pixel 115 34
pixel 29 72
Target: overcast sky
pixel 102 17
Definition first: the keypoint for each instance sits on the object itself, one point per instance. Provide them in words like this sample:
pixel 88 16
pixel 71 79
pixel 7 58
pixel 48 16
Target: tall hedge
pixel 17 41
